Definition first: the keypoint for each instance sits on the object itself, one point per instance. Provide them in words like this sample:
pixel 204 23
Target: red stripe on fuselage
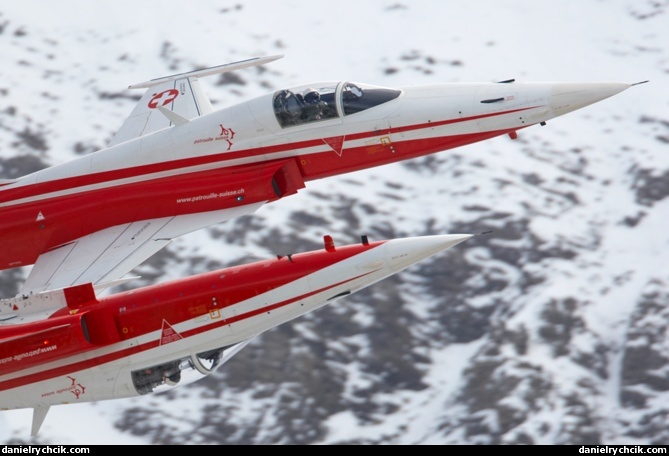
pixel 64 219
pixel 45 188
pixel 111 357
pixel 139 312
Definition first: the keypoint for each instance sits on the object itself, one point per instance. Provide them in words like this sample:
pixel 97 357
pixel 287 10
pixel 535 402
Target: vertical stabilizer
pixel 180 94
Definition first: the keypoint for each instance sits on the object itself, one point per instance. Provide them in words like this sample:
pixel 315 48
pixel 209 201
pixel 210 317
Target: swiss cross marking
pixel 163 98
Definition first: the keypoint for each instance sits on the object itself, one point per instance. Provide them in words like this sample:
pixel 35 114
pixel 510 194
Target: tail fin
pixel 179 93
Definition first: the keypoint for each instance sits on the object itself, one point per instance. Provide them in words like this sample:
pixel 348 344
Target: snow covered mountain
pixel 552 329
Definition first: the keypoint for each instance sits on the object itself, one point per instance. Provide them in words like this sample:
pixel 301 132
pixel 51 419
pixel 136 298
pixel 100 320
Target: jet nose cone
pixel 568 97
pixel 405 252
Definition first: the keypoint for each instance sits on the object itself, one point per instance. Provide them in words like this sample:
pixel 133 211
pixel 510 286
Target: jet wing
pixel 174 100
pixel 104 257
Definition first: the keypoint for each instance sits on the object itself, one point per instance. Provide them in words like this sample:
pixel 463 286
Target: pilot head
pixel 311 96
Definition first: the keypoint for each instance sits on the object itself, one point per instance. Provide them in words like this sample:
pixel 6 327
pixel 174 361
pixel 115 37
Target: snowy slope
pixel 551 329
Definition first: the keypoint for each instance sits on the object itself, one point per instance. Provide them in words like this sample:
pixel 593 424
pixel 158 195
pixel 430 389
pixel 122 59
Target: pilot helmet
pixel 311 96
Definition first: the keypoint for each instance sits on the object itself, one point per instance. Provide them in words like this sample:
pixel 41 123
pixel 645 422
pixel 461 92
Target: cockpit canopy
pixel 307 104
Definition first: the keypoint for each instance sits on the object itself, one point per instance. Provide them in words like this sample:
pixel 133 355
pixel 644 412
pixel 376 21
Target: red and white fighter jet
pixel 177 166
pixel 76 347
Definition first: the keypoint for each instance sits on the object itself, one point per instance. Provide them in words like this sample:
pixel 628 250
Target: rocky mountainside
pixel 550 329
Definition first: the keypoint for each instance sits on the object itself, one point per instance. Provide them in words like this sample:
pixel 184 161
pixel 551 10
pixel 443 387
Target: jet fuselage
pixel 249 154
pixel 153 338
